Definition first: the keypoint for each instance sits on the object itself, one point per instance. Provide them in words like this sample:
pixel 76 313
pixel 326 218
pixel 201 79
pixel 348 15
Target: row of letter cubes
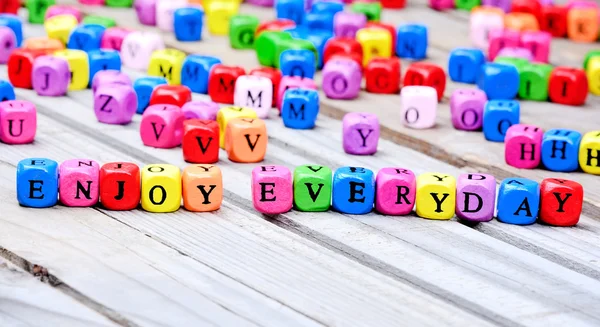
pixel 42 182
pixel 396 191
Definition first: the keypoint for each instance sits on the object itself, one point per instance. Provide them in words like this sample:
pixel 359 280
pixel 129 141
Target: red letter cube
pixel 343 46
pixel 200 141
pixel 568 86
pixel 393 4
pixel 221 82
pixel 382 75
pixel 561 202
pixel 20 65
pixel 271 73
pixel 554 20
pixel 120 186
pixel 427 75
pixel 9 6
pixel 275 25
pixel 528 6
pixel 177 95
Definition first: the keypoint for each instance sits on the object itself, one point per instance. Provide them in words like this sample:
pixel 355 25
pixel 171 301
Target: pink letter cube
pixel 341 78
pixel 146 11
pixel 254 92
pixel 113 37
pixel 137 49
pixel 475 197
pixel 419 106
pixel 162 126
pixel 110 76
pixel 346 24
pixel 523 146
pixel 292 82
pixel 500 39
pixel 272 191
pixel 396 189
pixel 8 43
pixel 482 24
pixel 360 133
pixel 115 104
pixel 441 4
pixel 515 52
pixel 56 10
pixel 50 76
pixel 165 11
pixel 18 121
pixel 200 109
pixel 466 109
pixel 538 43
pixel 78 183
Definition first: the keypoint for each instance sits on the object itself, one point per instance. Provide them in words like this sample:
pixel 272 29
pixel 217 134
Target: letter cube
pixel 56 10
pixel 589 153
pixel 588 57
pixel 441 4
pixel 290 9
pixel 144 87
pixel 219 13
pixel 120 187
pixel 37 182
pixel 419 106
pixel 523 148
pixel 146 11
pixel 382 76
pixel 226 114
pixel 300 108
pixel 375 42
pixel 343 46
pixel 177 95
pixel 7 91
pixel 167 63
pixel 527 6
pixel 561 202
pixel 221 82
pixel 475 197
pixel 518 201
pixel 521 22
pixel 499 81
pixel 47 45
pixel 347 24
pixel 516 52
pixel 393 4
pixel 272 190
pixel 100 60
pixel 341 78
pixel 534 80
pixel 14 23
pixel 92 2
pixel 196 71
pixel 360 133
pixel 86 37
pixel 18 121
pixel 412 41
pixel 554 20
pixel 99 20
pixel 436 196
pixel 10 6
pixel 466 109
pixel 428 75
pixel 60 27
pixel 266 43
pixel 391 30
pixel 79 182
pixel 165 11
pixel 500 39
pixel 20 66
pixel 115 104
pixel 119 3
pixel 482 22
pixel 295 44
pixel 568 86
pixel 396 191
pixel 79 66
pixel 202 188
pixel 8 41
pixel 312 188
pixel 593 75
pixel 200 109
pixel 292 82
pixel 538 43
pixel 137 49
pixel 271 73
pixel 110 76
pixel 560 150
pixel 161 188
pixel 583 24
pixel 241 31
pixel 319 20
pixel 50 76
pixel 188 24
pixel 162 126
pixel 464 64
pixel 353 190
pixel 113 37
pixel 331 7
pixel 200 141
pixel 498 116
pixel 519 63
pixel 467 4
pixel 246 140
pixel 298 62
pixel 254 92
pixel 372 10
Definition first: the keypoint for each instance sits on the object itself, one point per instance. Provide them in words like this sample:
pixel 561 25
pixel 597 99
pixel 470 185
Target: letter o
pixel 162 198
pixel 463 117
pixel 151 169
pixel 407 114
pixel 500 129
pixel 335 83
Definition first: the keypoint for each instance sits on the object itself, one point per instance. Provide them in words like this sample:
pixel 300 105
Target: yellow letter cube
pixel 219 13
pixel 589 153
pixel 436 196
pixel 167 63
pixel 59 27
pixel 375 42
pixel 593 75
pixel 226 114
pixel 79 66
pixel 161 188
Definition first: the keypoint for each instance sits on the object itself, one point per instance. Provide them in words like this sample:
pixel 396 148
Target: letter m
pixel 295 113
pixel 251 98
pixel 166 73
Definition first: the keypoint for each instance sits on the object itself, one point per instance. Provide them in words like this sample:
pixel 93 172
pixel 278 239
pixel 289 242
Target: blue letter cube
pixel 37 182
pixel 560 150
pixel 319 21
pixel 498 116
pixel 103 60
pixel 331 7
pixel 464 65
pixel 86 37
pixel 195 72
pixel 143 87
pixel 411 42
pixel 14 23
pixel 188 24
pixel 298 62
pixel 300 108
pixel 499 81
pixel 319 39
pixel 518 201
pixel 7 91
pixel 290 9
pixel 353 190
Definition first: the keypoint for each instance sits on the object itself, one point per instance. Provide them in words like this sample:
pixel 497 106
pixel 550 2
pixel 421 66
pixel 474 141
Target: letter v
pixel 156 133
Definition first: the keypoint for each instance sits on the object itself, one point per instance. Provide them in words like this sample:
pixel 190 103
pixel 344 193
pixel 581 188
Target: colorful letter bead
pixel 219 13
pixel 99 20
pixel 475 197
pixel 162 126
pixel 300 108
pixel 583 24
pixel 534 80
pixel 298 62
pixel 165 11
pixel 146 11
pixel 521 22
pixel 200 141
pixel 498 116
pixel 341 78
pixel 561 202
pixel 254 92
pixel 331 7
pixel 500 39
pixel 60 27
pixel 14 23
pixel 271 73
pixel 202 188
pixel 20 66
pixel 441 4
pixel 504 5
pixel 86 37
pixel 167 63
pixel 554 20
pixel 119 3
pixel 568 86
pixel 560 150
pixel 538 43
pixel 221 82
pixel 137 48
pixel 382 76
pixel 161 188
pixel 467 4
pixel 483 20
pixel 412 41
pixel 290 9
pixel 115 103
pixel 589 153
pixel 50 76
pixel 196 70
pixel 37 182
pixel 360 133
pixel 8 41
pixel 246 140
pixel 241 31
pixel 466 109
pixel 292 82
pixel 226 114
pixel 393 4
pixel 319 20
pixel 518 201
pixel 396 191
pixel 188 24
pixel 144 86
pixel 200 109
pixel 120 187
pixel 102 59
pixel 266 43
pixel 372 10
pixel 177 95
pixel 523 148
pixel 419 106
pixel 593 75
pixel 312 188
pixel 113 37
pixel 110 76
pixel 10 6
pixel 499 81
pixel 391 30
pixel 49 46
pixel 346 24
pixel 375 42
pixel 78 181
pixel 343 46
pixel 79 66
pixel 428 75
pixel 464 64
pixel 56 10
pixel 436 196
pixel 272 190
pixel 7 91
pixel 18 122
pixel 353 190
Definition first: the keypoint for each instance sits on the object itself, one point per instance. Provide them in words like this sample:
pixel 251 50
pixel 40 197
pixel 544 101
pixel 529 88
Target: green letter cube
pixel 519 63
pixel 241 31
pixel 294 44
pixel 99 20
pixel 467 4
pixel 591 54
pixel 37 10
pixel 534 79
pixel 312 188
pixel 370 9
pixel 267 43
pixel 119 3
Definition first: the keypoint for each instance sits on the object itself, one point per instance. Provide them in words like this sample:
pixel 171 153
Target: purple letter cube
pixel 361 133
pixel 346 24
pixel 8 43
pixel 466 109
pixel 146 11
pixel 50 76
pixel 475 197
pixel 115 104
pixel 341 78
pixel 200 109
pixel 396 189
pixel 106 77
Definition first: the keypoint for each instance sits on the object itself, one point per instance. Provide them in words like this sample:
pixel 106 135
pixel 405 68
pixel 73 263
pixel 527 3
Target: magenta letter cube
pixel 346 24
pixel 515 52
pixel 115 104
pixel 538 43
pixel 419 106
pixel 272 191
pixel 396 189
pixel 146 11
pixel 113 38
pixel 262 3
pixel 341 78
pixel 475 197
pixel 78 182
pixel 50 76
pixel 466 109
pixel 8 43
pixel 500 39
pixel 502 4
pixel 441 4
pixel 137 48
pixel 110 76
pixel 162 126
pixel 360 133
pixel 200 109
pixel 293 82
pixel 92 2
pixel 523 146
pixel 56 10
pixel 18 121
